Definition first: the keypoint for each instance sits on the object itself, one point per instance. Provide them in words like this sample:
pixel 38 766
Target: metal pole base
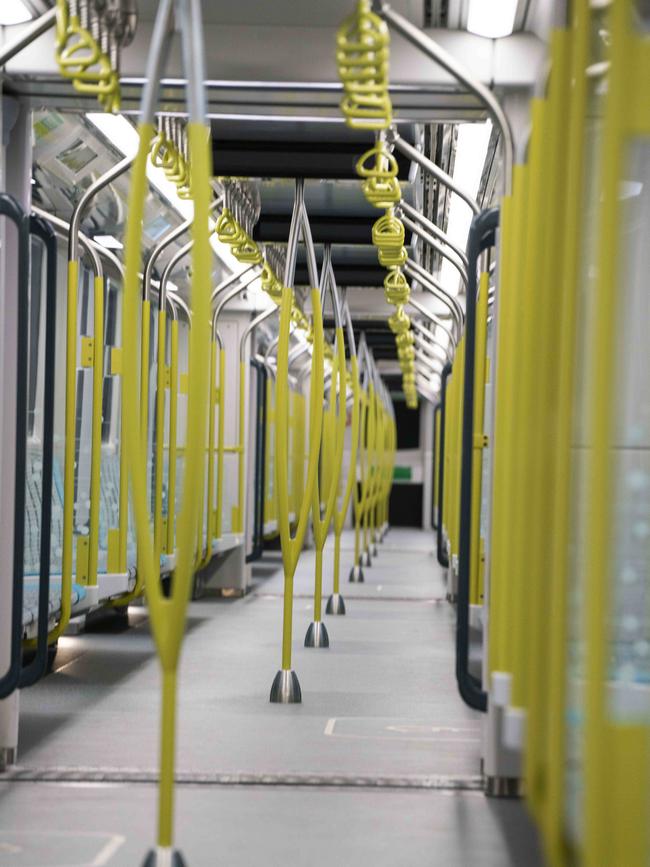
pixel 366 559
pixel 335 604
pixel 7 757
pixel 285 688
pixel 164 857
pixel 317 635
pixel 504 787
pixel 356 575
pixel 374 549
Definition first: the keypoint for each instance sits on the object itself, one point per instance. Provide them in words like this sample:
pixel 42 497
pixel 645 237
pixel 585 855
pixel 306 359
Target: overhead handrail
pixel 28 34
pixel 11 210
pixel 404 209
pixel 449 63
pixel 32 672
pixel 286 687
pixel 395 139
pixel 482 236
pixel 168 613
pixel 317 631
pixel 430 284
pixel 429 239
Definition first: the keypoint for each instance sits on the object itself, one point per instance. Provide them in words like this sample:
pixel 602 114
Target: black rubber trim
pixel 434 470
pixel 482 235
pixel 11 209
pixel 41 229
pixel 443 559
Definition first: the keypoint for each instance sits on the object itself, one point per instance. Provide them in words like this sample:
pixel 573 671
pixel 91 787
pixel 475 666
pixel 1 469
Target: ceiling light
pixel 493 19
pixel 14 12
pixel 108 241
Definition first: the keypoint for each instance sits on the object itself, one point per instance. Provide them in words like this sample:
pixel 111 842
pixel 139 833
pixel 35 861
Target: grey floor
pixel 380 762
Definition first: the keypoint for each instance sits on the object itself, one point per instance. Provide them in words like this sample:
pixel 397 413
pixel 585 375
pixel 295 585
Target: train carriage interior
pixel 325 433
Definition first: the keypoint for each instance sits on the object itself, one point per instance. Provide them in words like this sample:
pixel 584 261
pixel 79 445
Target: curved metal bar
pixel 96 187
pixel 430 226
pixel 180 302
pixel 394 138
pixel 169 267
pixel 427 347
pixel 162 245
pixel 416 37
pixel 230 280
pixel 222 303
pixel 432 242
pixel 92 249
pixel 429 285
pixel 252 325
pixel 415 304
pixel 328 282
pixel 29 33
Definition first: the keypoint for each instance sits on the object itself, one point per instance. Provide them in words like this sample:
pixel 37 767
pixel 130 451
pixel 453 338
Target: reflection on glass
pixel 580 449
pixel 629 627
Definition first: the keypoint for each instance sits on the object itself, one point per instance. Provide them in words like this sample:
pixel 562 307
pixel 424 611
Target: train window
pixel 408 423
pixel 111 305
pixel 629 629
pixel 580 450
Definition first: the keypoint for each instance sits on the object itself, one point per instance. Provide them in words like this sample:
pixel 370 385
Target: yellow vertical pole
pixel 96 429
pixel 173 426
pixel 160 433
pixel 221 443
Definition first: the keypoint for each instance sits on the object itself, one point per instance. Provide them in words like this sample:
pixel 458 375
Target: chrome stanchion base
pixel 7 758
pixel 285 688
pixel 317 635
pixel 335 604
pixel 164 857
pixel 366 559
pixel 374 549
pixel 504 787
pixel 356 575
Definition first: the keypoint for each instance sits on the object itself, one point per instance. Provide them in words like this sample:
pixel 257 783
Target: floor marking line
pixel 108 851
pixel 329 728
